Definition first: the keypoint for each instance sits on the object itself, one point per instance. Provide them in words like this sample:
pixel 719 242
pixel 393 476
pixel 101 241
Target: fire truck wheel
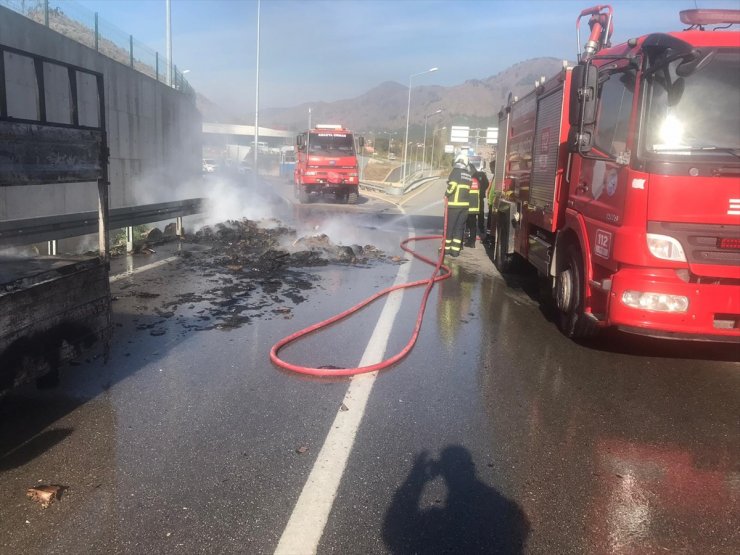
pixel 503 260
pixel 569 297
pixel 352 197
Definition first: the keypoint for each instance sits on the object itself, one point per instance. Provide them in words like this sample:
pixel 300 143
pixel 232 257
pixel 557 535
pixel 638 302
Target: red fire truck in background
pixel 326 162
pixel 619 181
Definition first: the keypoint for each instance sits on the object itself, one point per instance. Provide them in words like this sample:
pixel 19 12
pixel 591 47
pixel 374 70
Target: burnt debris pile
pixel 235 272
pixel 260 249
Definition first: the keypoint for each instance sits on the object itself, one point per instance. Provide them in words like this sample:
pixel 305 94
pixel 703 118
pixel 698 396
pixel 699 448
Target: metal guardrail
pixel 53 228
pixel 373 186
pixel 396 189
pixel 417 182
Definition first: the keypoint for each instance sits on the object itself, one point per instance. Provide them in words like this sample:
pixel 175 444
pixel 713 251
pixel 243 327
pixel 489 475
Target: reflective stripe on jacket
pixel 458 187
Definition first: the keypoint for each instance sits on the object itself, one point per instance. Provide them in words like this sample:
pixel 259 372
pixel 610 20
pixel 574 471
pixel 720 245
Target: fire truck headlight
pixel 665 247
pixel 310 173
pixel 657 302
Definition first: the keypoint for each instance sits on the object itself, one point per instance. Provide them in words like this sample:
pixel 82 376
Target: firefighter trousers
pixel 472 228
pixel 456 217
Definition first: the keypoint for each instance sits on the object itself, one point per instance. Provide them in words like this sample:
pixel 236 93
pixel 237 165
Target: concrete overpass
pixel 232 141
pixel 230 129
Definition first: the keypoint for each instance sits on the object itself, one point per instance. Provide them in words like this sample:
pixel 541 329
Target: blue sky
pixel 327 50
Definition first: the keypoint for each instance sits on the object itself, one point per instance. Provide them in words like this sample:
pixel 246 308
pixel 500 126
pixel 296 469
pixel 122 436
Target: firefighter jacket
pixel 484 187
pixel 458 188
pixel 474 197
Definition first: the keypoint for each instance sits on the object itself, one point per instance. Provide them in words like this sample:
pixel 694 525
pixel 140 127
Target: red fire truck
pixel 326 162
pixel 619 181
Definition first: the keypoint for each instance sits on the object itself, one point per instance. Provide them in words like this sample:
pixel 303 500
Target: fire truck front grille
pixel 703 243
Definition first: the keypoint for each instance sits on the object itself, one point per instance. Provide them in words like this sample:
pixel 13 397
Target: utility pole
pixel 257 96
pixel 168 40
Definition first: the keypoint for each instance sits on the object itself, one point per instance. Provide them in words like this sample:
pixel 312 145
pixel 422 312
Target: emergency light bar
pixel 328 126
pixel 710 17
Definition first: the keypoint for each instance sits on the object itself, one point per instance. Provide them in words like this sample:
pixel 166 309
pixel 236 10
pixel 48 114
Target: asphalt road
pixel 495 435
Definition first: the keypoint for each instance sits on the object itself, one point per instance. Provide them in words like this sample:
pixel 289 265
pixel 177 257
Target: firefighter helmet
pixel 462 158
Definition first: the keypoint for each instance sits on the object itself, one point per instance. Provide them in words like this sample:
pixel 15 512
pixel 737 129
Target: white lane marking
pixel 311 512
pixel 144 268
pixel 420 190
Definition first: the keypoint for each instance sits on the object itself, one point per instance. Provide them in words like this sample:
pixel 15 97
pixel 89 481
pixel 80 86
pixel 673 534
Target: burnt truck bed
pixel 52 307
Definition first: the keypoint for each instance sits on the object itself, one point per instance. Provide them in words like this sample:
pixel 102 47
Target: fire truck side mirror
pixel 582 108
pixel 583 90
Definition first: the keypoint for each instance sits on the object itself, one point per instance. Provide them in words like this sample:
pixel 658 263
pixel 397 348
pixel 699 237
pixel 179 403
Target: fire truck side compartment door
pixel 546 151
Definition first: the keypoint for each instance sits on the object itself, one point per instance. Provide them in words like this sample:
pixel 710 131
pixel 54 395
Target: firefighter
pixel 458 188
pixel 491 197
pixel 476 219
pixel 473 209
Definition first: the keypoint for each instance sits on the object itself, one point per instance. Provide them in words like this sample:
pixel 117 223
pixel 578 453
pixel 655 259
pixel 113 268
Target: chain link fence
pixel 86 27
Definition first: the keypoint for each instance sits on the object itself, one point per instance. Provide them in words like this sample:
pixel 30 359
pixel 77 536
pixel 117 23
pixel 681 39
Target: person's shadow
pixel 474 519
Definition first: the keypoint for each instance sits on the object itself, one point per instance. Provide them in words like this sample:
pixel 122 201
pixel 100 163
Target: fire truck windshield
pixel 332 144
pixel 697 114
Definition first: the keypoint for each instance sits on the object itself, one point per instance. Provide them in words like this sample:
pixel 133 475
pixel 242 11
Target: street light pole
pixel 257 95
pixel 408 114
pixel 168 40
pixel 434 134
pixel 424 155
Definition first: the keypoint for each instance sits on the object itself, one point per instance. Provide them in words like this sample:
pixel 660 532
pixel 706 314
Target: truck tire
pixel 569 296
pixel 503 260
pixel 352 197
pixel 300 192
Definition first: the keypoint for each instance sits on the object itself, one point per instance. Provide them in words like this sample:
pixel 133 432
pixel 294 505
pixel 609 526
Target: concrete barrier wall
pixel 154 131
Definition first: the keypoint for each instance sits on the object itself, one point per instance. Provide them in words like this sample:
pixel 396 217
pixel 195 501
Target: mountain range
pixel 475 103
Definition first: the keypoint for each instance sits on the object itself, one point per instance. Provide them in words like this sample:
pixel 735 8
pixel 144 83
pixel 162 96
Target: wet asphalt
pixel 495 435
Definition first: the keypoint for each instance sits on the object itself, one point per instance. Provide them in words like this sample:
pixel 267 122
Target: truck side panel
pixel 50 317
pixel 38 154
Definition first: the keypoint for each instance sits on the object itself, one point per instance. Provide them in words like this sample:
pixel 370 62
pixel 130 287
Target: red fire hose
pixel 435 277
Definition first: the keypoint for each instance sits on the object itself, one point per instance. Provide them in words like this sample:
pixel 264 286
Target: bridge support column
pixel 129 239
